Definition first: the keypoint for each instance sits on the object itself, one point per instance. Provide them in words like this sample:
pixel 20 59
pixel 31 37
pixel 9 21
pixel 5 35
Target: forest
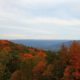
pixel 19 62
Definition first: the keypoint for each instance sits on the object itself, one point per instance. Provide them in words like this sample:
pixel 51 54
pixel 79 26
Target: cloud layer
pixel 39 19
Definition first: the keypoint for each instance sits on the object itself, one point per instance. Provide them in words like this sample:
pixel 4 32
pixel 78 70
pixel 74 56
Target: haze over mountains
pixel 44 44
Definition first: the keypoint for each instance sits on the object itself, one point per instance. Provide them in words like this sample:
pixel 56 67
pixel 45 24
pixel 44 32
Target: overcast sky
pixel 39 19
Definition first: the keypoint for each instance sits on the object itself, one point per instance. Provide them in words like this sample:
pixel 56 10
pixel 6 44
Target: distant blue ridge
pixel 52 45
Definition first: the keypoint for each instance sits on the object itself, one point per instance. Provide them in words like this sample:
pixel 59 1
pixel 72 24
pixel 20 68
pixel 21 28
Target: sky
pixel 40 19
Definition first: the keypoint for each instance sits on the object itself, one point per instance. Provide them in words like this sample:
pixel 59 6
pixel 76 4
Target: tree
pixel 38 69
pixel 72 70
pixel 64 55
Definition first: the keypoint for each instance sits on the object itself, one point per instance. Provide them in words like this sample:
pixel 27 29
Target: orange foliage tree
pixel 74 59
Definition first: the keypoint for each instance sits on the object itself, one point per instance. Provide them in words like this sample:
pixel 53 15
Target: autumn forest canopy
pixel 19 62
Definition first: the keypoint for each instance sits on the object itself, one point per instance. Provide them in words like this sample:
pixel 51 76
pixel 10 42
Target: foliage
pixel 19 62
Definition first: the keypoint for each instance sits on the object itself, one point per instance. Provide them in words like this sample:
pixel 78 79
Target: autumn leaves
pixel 18 62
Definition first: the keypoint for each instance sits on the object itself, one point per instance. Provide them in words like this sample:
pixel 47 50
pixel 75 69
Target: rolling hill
pixel 44 44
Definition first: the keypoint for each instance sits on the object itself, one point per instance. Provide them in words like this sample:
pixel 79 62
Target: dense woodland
pixel 19 62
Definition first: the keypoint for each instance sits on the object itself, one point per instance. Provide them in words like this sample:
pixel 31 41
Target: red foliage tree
pixel 41 54
pixel 26 55
pixel 75 55
pixel 74 59
pixel 39 67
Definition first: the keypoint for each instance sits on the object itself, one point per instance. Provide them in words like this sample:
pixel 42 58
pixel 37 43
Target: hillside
pixel 19 62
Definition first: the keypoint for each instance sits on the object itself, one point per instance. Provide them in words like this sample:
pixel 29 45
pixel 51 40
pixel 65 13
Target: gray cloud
pixel 38 18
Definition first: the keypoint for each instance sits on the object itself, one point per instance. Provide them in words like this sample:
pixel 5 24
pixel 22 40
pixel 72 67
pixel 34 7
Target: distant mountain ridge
pixel 44 44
